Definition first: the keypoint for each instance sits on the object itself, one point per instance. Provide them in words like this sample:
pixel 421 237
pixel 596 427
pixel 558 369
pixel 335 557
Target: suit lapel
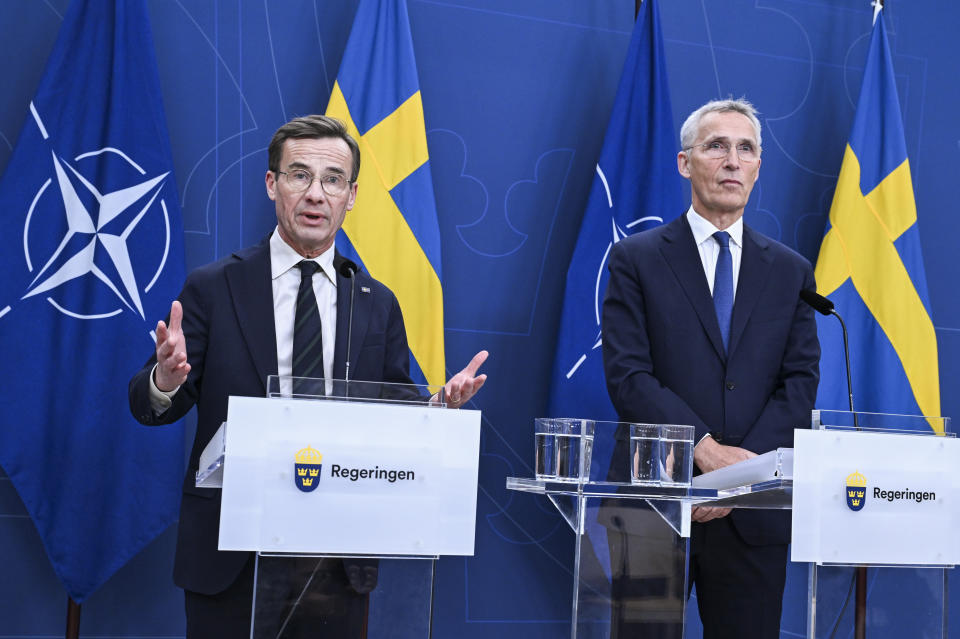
pixel 251 291
pixel 680 252
pixel 361 313
pixel 754 271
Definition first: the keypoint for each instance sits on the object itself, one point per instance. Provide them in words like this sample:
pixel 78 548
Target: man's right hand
pixel 172 367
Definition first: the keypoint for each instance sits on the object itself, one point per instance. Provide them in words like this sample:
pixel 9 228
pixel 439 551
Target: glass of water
pixel 645 454
pixel 676 454
pixel 563 448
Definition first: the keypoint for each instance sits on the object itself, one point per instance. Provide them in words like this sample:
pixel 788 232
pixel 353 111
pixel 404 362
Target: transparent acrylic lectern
pixel 876 491
pixel 347 492
pixel 631 522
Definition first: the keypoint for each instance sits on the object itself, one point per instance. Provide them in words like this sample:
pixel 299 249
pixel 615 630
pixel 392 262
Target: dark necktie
pixel 723 286
pixel 307 334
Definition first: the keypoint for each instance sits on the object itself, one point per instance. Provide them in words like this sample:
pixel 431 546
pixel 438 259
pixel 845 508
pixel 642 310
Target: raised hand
pixel 172 367
pixel 466 383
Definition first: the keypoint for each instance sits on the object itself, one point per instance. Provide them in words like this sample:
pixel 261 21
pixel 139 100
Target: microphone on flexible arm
pixel 825 307
pixel 349 270
pixel 859 583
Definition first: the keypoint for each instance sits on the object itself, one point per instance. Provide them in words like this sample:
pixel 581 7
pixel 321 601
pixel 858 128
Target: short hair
pixel 311 126
pixel 691 127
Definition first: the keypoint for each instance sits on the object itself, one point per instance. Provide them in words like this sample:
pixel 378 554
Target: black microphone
pixel 348 269
pixel 824 306
pixel 819 303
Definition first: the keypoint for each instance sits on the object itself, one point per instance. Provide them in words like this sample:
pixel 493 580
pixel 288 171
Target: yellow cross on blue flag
pixel 393 229
pixel 871 266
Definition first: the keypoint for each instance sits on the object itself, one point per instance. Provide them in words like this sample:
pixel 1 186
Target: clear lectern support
pixel 898 473
pixel 630 577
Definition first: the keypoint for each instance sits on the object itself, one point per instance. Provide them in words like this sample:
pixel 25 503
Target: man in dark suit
pixel 703 325
pixel 234 324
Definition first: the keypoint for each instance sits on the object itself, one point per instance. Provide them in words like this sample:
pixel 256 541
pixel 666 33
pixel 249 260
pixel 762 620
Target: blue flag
pixel 92 256
pixel 393 229
pixel 871 266
pixel 636 187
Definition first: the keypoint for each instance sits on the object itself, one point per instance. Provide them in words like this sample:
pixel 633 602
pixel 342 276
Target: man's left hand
pixel 466 383
pixel 709 455
pixel 706 513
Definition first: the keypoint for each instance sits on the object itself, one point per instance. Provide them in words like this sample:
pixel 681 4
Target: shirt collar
pixel 283 258
pixel 703 229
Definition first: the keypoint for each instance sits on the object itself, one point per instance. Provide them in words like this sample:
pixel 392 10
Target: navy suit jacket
pixel 664 358
pixel 231 340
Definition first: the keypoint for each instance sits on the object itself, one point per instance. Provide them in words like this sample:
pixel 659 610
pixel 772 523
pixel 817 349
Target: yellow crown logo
pixel 856 479
pixel 309 455
pixel 307 481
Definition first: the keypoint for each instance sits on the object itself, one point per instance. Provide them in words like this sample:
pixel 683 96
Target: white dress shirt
pixel 286 283
pixel 285 276
pixel 703 231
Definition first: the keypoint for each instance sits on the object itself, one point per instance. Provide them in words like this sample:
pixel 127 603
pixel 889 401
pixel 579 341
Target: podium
pixel 630 564
pixel 347 492
pixel 876 491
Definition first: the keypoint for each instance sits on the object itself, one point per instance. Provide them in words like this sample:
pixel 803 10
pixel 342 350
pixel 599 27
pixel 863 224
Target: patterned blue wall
pixel 516 97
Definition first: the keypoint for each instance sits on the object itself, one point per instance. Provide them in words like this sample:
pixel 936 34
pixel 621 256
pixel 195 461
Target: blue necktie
pixel 723 286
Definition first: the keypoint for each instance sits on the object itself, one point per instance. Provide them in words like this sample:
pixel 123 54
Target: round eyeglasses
pixel 333 184
pixel 716 149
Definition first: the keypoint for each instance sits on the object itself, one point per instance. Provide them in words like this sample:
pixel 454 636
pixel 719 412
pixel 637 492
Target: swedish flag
pixel 393 228
pixel 870 262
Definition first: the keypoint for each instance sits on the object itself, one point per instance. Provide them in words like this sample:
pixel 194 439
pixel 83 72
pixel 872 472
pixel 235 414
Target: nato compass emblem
pixel 80 224
pixel 618 233
pixel 856 491
pixel 307 465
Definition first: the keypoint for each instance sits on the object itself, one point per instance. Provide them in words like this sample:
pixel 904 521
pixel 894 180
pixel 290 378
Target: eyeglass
pixel 717 149
pixel 333 184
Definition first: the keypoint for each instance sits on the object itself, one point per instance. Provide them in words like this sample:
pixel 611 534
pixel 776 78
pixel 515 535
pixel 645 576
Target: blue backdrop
pixel 516 98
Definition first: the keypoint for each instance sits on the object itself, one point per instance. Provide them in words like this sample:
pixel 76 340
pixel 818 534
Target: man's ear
pixel 683 164
pixel 271 181
pixel 352 199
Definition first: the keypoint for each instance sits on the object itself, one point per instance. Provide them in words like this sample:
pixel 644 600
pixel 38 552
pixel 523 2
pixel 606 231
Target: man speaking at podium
pixel 265 310
pixel 703 325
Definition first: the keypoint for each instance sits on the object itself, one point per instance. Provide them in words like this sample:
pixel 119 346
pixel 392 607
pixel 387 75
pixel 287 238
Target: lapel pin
pixel 364 289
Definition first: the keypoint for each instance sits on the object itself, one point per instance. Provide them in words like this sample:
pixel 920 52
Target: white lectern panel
pixel 339 477
pixel 875 498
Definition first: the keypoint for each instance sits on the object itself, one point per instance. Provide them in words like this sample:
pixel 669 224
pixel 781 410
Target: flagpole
pixel 73 619
pixel 860 608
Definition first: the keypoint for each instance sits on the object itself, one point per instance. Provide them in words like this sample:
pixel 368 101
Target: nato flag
pixel 636 187
pixel 92 254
